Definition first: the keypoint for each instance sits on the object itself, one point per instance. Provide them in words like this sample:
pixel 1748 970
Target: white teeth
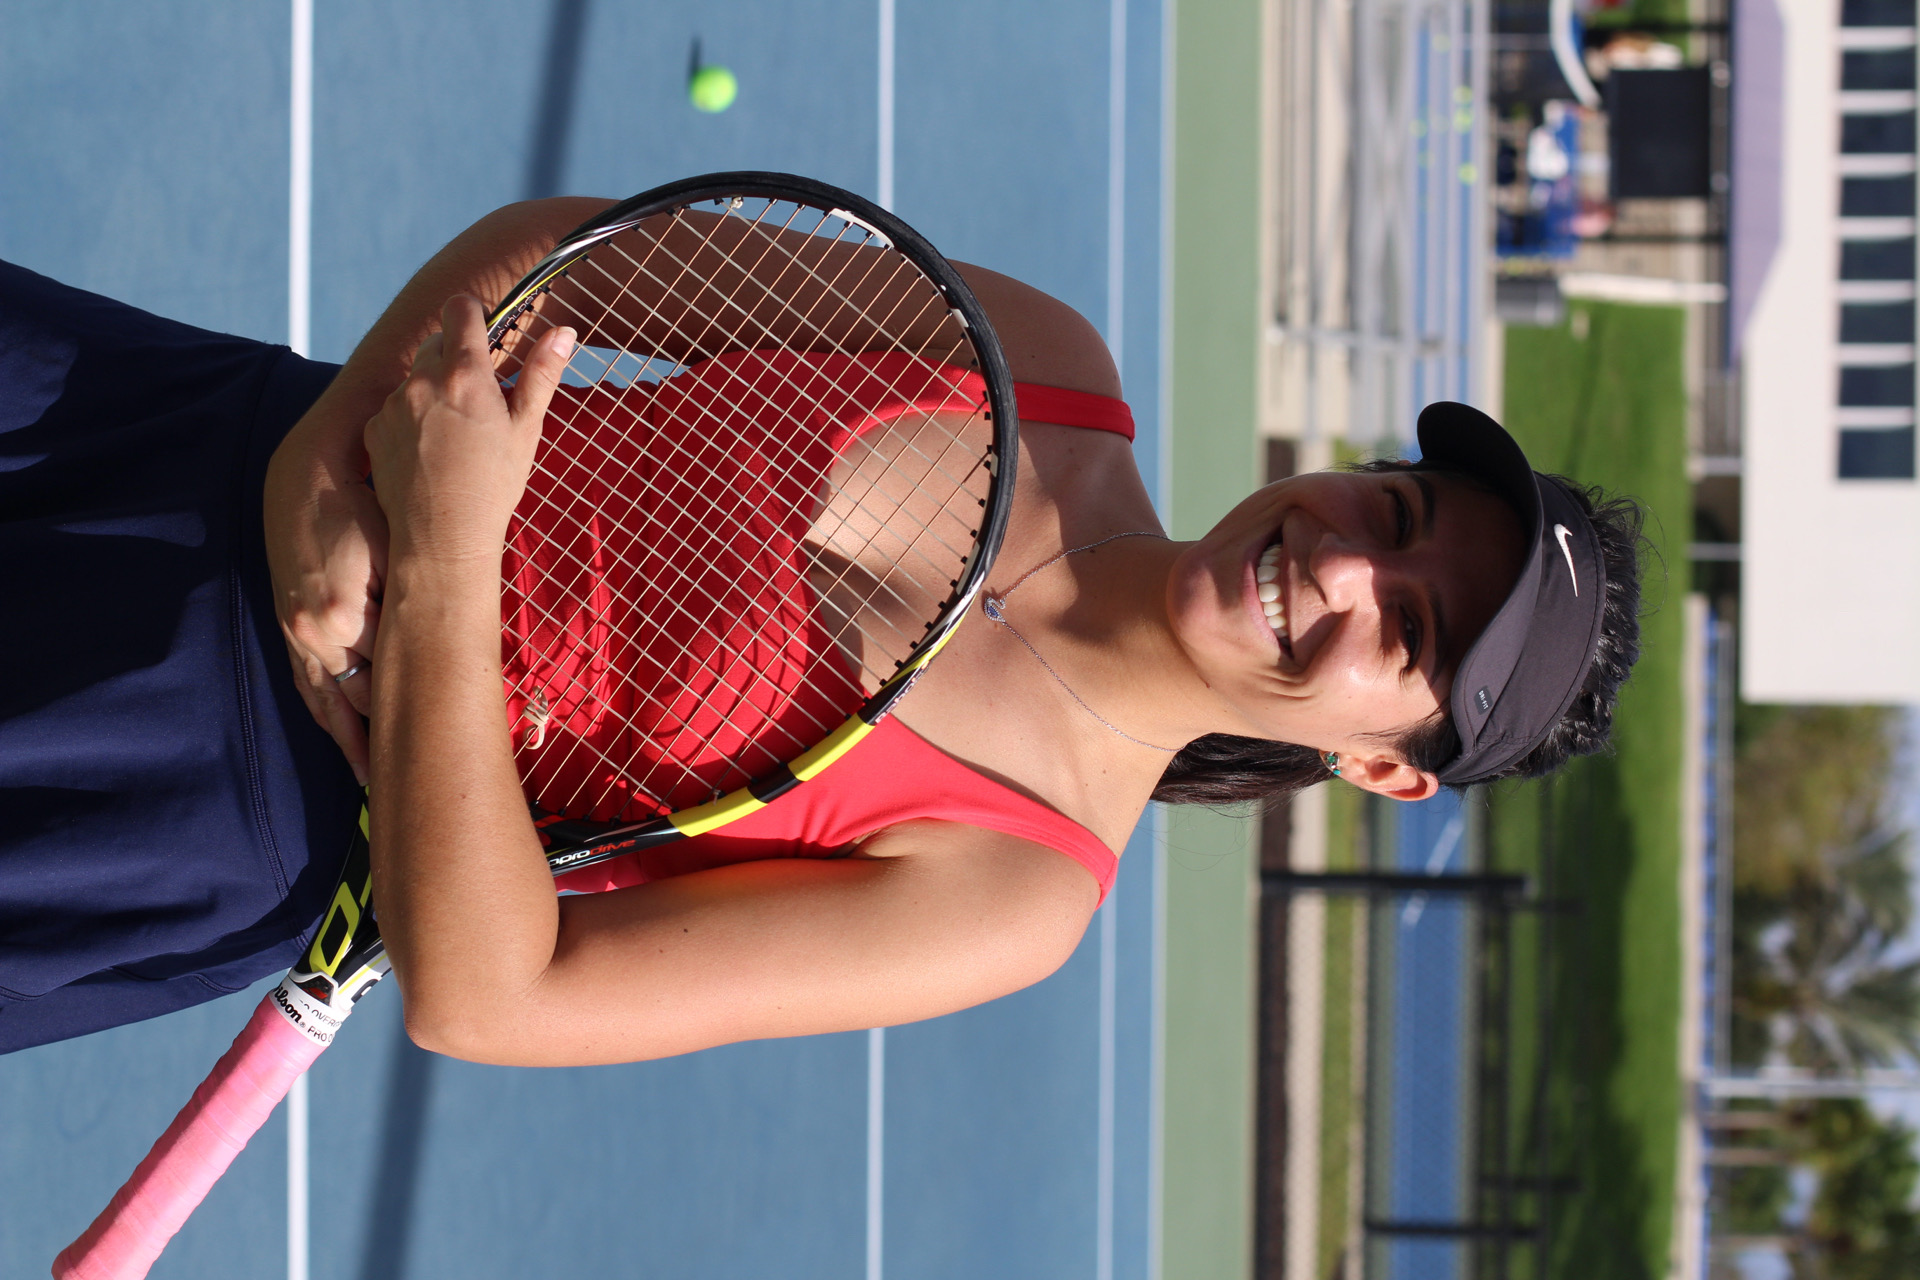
pixel 1268 575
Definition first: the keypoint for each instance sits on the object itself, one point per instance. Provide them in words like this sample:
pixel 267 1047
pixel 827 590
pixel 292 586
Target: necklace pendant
pixel 993 606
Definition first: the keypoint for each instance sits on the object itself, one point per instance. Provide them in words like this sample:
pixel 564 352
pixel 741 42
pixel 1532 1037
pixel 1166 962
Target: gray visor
pixel 1525 669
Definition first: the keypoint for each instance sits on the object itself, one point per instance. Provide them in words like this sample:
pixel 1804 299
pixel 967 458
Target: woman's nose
pixel 1348 575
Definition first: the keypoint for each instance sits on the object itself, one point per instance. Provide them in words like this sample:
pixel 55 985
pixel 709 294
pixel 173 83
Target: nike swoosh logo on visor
pixel 1561 532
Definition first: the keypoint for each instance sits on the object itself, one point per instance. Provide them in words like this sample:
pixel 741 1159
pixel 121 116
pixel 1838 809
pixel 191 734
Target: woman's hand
pixel 326 534
pixel 327 553
pixel 451 451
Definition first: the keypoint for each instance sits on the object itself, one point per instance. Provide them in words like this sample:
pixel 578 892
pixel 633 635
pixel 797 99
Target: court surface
pixel 144 153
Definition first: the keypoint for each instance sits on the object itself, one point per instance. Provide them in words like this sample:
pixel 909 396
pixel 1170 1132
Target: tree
pixel 1823 887
pixel 1825 980
pixel 1861 1224
pixel 1808 782
pixel 1823 883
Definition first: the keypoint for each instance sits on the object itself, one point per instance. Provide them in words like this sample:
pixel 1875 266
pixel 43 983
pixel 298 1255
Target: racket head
pixel 771 485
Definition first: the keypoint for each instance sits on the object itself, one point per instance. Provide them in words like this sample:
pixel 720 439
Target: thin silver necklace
pixel 996 611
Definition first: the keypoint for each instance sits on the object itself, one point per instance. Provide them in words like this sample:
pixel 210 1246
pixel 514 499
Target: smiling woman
pixel 1454 552
pixel 1415 625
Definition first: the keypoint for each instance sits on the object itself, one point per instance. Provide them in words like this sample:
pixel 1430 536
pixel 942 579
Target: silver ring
pixel 350 673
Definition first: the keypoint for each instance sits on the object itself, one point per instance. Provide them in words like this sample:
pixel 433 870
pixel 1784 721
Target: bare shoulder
pixel 1047 342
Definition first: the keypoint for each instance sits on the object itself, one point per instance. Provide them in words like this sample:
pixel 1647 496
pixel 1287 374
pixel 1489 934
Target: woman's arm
pixel 492 965
pixel 685 274
pixel 942 917
pixel 326 537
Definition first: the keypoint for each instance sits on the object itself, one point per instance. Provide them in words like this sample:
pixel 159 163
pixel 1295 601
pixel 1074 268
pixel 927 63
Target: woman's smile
pixel 1270 589
pixel 1359 591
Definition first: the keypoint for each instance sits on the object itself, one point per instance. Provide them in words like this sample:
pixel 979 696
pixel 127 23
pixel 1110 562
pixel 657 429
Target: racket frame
pixel 574 843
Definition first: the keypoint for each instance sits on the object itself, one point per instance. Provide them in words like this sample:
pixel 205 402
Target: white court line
pixel 1109 918
pixel 877 1037
pixel 1109 1002
pixel 1157 1060
pixel 300 183
pixel 876 1148
pixel 886 104
pixel 297 1130
pixel 299 335
pixel 1116 177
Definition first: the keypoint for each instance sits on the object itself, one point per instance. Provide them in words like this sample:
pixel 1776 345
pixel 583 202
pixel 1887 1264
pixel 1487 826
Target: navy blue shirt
pixel 171 819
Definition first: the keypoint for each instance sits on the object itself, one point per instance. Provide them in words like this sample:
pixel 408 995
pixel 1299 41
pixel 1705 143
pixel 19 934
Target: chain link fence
pixel 1416 1066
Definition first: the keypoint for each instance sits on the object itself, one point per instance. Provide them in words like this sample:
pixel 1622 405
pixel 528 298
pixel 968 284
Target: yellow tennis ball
pixel 712 89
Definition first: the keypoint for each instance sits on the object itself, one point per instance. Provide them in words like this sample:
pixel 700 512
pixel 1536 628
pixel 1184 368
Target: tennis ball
pixel 712 89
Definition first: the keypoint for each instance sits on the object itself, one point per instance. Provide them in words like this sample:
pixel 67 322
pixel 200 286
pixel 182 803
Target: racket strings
pixel 910 443
pixel 903 638
pixel 879 586
pixel 744 322
pixel 953 552
pixel 929 297
pixel 932 458
pixel 832 289
pixel 884 584
pixel 668 669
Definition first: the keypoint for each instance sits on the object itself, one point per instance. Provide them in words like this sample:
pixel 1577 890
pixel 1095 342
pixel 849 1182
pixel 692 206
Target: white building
pixel 1823 327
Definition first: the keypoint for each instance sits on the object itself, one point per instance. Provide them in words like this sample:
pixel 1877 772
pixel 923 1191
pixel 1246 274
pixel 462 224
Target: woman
pixel 1403 627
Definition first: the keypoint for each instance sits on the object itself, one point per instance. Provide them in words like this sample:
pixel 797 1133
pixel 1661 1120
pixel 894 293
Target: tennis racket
pixel 769 486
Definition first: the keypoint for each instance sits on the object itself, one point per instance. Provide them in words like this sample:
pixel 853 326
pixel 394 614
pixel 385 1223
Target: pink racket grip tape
pixel 227 1109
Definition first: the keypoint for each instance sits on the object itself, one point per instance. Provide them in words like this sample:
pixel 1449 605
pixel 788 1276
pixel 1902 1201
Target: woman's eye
pixel 1410 638
pixel 1402 518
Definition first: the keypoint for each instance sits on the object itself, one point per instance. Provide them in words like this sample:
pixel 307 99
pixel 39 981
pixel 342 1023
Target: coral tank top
pixel 893 775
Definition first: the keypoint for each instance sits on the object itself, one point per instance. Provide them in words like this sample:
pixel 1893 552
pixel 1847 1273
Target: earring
pixel 1333 763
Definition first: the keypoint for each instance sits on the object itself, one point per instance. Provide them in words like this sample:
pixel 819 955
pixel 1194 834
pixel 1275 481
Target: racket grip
pixel 227 1109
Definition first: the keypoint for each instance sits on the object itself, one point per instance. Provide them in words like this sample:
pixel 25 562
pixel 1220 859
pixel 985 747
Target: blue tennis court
pixel 148 154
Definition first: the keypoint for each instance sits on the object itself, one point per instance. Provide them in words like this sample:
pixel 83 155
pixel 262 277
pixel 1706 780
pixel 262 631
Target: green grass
pixel 1627 16
pixel 1609 408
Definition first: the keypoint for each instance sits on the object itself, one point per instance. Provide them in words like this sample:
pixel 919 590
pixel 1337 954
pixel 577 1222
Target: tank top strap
pixel 1065 408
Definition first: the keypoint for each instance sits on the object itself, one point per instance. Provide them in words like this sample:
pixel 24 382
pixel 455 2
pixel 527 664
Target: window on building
pixel 1876 322
pixel 1877 69
pixel 1876 259
pixel 1879 134
pixel 1877 197
pixel 1876 13
pixel 1876 386
pixel 1878 453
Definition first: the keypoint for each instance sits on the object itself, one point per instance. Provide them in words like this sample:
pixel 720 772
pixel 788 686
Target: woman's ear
pixel 1386 776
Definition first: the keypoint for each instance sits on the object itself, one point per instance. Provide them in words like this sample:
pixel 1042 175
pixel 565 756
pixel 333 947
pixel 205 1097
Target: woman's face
pixel 1384 581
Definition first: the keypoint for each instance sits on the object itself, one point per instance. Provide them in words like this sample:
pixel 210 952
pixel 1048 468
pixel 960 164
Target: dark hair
pixel 1222 768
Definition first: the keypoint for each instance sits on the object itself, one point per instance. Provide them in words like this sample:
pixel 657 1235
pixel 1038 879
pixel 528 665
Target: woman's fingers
pixel 329 702
pixel 540 376
pixel 344 716
pixel 463 339
pixel 354 682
